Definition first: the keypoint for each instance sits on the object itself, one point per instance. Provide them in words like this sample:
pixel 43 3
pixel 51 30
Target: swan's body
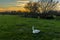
pixel 35 30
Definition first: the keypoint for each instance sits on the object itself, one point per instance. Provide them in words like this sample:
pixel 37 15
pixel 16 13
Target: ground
pixel 14 27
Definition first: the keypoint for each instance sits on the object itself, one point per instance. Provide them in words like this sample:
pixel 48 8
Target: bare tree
pixel 47 6
pixel 41 6
pixel 33 7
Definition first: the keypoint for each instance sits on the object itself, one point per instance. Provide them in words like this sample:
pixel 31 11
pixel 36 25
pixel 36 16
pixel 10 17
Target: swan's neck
pixel 33 28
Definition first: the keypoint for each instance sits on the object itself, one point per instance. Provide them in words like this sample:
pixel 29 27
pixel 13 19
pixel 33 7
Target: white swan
pixel 34 31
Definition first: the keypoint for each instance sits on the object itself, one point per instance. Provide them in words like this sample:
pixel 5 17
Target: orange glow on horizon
pixel 18 7
pixel 14 9
pixel 2 10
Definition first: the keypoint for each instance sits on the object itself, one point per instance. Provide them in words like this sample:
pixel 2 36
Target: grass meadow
pixel 14 27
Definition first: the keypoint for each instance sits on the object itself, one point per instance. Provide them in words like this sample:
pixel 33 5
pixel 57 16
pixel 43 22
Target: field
pixel 14 27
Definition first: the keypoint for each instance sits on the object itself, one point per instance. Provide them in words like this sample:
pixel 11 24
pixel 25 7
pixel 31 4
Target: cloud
pixel 21 3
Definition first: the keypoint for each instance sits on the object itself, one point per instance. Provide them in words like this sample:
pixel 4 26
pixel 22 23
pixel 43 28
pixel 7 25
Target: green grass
pixel 14 27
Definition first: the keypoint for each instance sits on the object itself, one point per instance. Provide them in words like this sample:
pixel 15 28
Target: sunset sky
pixel 8 3
pixel 11 4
